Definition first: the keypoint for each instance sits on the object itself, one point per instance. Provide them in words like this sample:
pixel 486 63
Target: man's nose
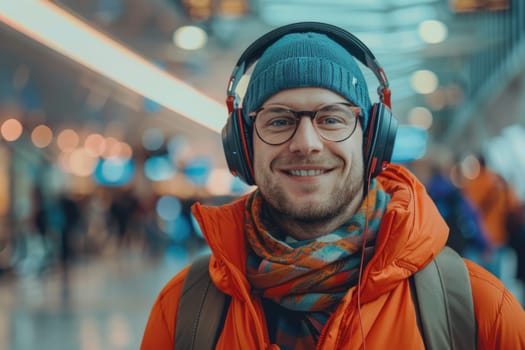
pixel 306 138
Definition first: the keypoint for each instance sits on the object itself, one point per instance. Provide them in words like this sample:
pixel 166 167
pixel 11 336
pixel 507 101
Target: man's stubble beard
pixel 336 205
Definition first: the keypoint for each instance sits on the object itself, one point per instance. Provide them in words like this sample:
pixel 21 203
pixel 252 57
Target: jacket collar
pixel 411 234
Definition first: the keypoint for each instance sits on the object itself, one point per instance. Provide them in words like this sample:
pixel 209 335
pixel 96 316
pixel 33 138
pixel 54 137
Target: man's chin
pixel 305 211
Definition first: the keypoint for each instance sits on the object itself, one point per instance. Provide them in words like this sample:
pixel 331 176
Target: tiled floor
pixel 104 304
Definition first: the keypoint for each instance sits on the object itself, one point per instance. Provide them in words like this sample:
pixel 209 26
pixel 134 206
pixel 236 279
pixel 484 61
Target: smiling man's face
pixel 308 178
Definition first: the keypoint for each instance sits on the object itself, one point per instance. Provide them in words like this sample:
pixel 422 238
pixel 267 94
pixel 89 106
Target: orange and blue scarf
pixel 302 282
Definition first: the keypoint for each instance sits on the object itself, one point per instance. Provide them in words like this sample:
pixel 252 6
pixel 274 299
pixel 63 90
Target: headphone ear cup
pixel 379 139
pixel 237 145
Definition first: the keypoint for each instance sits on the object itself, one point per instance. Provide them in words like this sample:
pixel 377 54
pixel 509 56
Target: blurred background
pixel 110 119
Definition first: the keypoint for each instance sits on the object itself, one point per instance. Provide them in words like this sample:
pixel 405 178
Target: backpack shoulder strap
pixel 201 311
pixel 444 300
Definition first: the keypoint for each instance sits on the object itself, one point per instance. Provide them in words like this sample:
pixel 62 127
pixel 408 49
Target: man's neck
pixel 310 229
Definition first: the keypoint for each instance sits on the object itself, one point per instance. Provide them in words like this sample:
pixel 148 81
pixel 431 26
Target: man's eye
pixel 278 119
pixel 281 121
pixel 332 119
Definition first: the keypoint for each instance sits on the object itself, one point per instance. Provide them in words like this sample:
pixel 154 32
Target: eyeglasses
pixel 276 125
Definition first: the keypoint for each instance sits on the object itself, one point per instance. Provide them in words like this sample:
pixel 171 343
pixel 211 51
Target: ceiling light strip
pixel 61 31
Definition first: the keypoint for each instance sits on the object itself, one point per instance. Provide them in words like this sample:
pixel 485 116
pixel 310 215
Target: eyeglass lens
pixel 277 125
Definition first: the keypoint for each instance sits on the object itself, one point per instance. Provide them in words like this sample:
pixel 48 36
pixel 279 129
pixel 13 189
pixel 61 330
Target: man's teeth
pixel 306 172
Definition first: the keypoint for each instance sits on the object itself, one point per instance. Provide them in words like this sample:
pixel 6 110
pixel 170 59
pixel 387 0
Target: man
pixel 466 233
pixel 494 198
pixel 496 201
pixel 319 255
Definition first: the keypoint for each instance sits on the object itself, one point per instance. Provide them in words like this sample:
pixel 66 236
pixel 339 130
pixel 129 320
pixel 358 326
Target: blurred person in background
pixel 517 242
pixel 122 212
pixel 41 224
pixel 40 212
pixel 70 212
pixel 466 230
pixel 320 254
pixel 501 213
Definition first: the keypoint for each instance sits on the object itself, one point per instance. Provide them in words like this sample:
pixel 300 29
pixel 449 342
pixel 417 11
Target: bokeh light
pixel 95 144
pixel 41 136
pixel 190 37
pixel 67 140
pixel 81 162
pixel 152 139
pixel 11 129
pixel 168 208
pixel 420 116
pixel 158 168
pixel 470 167
pixel 114 171
pixel 424 81
pixel 112 148
pixel 432 31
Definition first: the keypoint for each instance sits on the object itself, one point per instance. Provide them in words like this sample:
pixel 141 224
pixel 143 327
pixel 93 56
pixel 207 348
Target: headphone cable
pixel 361 264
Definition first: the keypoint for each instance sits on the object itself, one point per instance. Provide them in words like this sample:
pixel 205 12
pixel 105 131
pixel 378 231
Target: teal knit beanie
pixel 307 60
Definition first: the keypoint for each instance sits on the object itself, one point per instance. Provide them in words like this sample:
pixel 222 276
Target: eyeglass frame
pixel 310 114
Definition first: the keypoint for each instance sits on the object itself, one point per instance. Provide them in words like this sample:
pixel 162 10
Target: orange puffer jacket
pixel 411 234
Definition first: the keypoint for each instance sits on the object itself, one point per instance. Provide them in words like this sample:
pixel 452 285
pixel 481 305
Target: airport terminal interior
pixel 111 114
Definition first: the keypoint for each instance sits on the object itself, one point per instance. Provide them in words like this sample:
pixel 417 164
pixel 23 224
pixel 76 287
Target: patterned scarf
pixel 304 281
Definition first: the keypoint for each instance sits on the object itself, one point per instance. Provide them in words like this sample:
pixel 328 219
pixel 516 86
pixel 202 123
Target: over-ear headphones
pixel 379 135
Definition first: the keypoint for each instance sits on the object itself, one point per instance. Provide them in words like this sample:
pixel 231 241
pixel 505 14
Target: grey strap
pixel 445 302
pixel 201 308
